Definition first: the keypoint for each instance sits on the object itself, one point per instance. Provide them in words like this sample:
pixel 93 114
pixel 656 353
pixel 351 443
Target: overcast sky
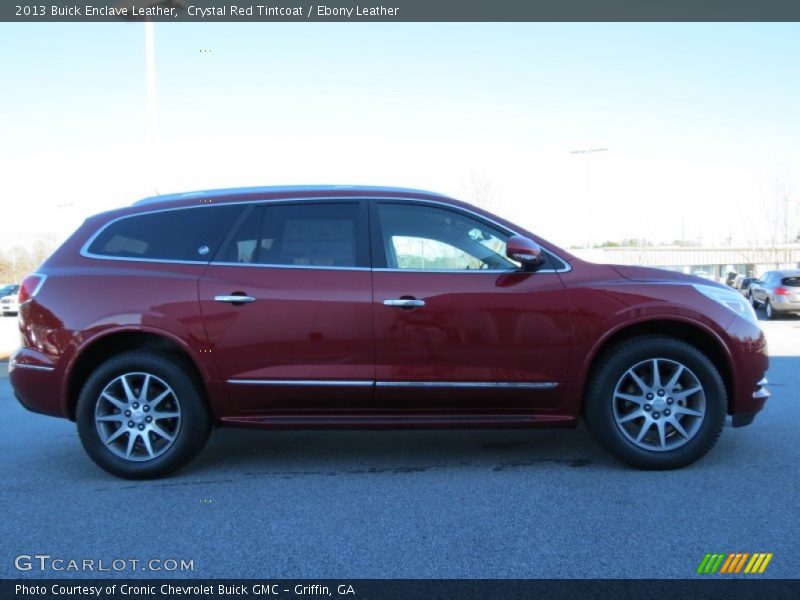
pixel 697 118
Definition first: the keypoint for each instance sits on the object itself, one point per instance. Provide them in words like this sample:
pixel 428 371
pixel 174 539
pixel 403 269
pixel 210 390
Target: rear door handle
pixel 235 299
pixel 404 302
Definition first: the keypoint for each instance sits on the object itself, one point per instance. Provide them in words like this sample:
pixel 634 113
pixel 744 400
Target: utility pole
pixel 589 237
pixel 151 123
pixel 151 131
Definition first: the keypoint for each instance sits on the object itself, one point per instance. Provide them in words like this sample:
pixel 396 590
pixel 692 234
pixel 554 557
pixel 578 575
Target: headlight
pixel 730 299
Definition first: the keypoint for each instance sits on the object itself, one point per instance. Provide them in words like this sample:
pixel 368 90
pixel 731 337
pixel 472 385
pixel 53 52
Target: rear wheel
pixel 769 311
pixel 141 415
pixel 656 403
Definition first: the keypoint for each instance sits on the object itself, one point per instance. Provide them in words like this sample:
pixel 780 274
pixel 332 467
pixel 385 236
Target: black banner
pixel 404 589
pixel 400 10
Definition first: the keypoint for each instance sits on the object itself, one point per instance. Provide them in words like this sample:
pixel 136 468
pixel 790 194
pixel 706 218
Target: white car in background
pixel 9 300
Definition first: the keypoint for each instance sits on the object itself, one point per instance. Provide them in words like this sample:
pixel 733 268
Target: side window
pixel 302 235
pixel 242 248
pixel 190 234
pixel 429 238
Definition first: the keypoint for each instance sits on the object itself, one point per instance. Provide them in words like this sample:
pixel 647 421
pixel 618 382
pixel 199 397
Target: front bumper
pixel 761 394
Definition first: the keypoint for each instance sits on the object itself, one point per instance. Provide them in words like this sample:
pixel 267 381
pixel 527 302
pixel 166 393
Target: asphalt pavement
pixel 423 504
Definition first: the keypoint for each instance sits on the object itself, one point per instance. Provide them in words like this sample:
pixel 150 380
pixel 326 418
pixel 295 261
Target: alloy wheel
pixel 138 416
pixel 659 404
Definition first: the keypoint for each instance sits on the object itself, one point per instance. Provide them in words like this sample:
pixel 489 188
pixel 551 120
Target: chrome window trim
pixel 161 261
pixel 272 266
pixel 478 271
pixel 544 385
pixel 84 251
pixel 16 365
pixel 479 217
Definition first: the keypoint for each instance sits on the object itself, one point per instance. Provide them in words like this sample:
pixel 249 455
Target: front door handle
pixel 235 299
pixel 404 302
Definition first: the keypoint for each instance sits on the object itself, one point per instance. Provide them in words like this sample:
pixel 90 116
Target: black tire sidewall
pixel 599 403
pixel 195 420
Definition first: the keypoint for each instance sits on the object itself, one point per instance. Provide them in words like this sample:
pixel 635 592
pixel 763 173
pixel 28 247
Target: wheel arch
pixel 704 339
pixel 94 353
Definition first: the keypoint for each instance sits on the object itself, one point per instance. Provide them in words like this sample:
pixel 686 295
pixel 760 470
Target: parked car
pixel 8 288
pixel 8 299
pixel 778 292
pixel 742 284
pixel 364 308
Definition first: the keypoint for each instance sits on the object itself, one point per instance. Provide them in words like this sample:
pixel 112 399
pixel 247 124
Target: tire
pixel 753 301
pixel 769 312
pixel 161 444
pixel 617 408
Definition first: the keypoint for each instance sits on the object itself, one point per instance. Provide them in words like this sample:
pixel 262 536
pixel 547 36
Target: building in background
pixel 710 262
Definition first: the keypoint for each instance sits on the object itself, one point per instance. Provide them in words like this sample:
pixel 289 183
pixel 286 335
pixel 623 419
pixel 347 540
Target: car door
pixel 756 288
pixel 287 306
pixel 458 326
pixel 761 290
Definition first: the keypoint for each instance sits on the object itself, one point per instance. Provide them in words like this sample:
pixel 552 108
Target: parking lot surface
pixel 425 504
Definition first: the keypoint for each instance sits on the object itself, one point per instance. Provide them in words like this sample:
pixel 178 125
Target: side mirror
pixel 526 251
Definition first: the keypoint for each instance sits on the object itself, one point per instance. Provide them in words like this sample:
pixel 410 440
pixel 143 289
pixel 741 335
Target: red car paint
pixel 331 325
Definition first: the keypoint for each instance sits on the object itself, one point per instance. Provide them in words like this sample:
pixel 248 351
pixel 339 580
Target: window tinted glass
pixel 423 237
pixel 304 235
pixel 791 281
pixel 192 234
pixel 242 248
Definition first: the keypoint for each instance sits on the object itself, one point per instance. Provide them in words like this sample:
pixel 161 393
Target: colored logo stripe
pixel 710 563
pixel 727 566
pixel 734 562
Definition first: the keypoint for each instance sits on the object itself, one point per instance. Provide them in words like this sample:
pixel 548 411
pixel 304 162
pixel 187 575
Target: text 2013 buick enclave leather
pixel 368 308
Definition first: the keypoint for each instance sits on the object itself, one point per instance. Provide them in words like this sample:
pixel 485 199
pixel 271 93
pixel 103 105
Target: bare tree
pixel 480 189
pixel 774 225
pixel 17 260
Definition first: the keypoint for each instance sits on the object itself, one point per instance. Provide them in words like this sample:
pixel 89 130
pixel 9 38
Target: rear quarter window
pixel 188 234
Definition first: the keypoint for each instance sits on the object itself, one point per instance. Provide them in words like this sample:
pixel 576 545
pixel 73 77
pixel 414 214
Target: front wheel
pixel 656 403
pixel 141 415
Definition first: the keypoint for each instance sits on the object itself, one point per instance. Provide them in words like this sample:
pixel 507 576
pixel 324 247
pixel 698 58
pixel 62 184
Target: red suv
pixel 355 307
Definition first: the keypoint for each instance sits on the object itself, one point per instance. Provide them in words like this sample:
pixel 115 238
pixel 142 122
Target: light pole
pixel 151 131
pixel 588 199
pixel 151 123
